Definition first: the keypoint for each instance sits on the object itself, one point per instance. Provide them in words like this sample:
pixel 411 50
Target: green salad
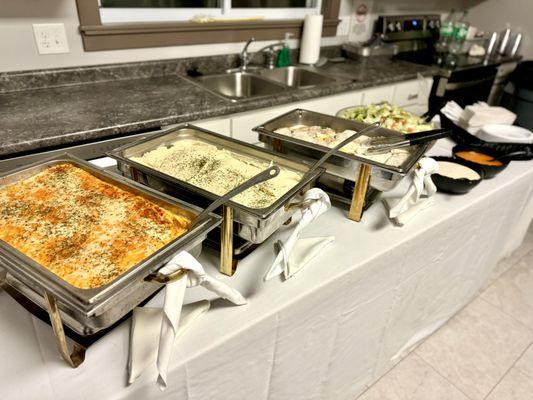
pixel 390 116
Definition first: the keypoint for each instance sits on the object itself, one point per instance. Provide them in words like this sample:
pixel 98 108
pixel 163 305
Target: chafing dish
pixel 253 225
pixel 380 176
pixel 344 165
pixel 87 311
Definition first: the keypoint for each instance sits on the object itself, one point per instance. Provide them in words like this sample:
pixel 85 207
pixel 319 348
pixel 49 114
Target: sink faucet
pixel 270 55
pixel 245 57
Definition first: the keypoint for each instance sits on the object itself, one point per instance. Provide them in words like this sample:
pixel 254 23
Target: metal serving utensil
pixel 384 145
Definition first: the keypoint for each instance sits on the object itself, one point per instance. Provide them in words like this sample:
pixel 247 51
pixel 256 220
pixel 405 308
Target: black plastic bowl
pixel 456 186
pixel 489 170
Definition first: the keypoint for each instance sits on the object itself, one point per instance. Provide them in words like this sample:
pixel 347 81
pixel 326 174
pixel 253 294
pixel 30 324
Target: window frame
pixel 98 36
pixel 226 10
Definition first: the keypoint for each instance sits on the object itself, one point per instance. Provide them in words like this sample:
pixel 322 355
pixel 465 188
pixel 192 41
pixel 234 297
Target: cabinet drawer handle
pixel 412 96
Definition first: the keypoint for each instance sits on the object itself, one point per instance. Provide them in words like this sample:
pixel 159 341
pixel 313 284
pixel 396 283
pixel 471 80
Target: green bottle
pixel 284 56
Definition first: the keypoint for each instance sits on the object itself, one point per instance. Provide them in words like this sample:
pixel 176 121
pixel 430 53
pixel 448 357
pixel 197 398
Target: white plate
pixel 505 134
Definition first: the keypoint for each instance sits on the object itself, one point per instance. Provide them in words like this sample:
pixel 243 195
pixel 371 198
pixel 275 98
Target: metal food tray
pixel 344 165
pixel 254 225
pixel 87 311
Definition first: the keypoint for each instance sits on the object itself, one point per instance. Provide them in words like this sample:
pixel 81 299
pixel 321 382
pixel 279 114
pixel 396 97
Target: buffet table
pixel 324 334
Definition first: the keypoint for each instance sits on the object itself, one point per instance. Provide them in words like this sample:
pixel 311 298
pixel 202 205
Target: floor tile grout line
pixel 522 355
pixel 442 376
pixel 530 329
pixel 483 290
pixel 508 370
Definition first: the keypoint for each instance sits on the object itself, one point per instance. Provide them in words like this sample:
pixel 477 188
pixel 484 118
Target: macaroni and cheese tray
pixel 88 239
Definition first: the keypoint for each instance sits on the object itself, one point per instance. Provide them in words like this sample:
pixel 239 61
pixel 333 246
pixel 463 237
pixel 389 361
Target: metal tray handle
pixel 158 277
pixel 77 356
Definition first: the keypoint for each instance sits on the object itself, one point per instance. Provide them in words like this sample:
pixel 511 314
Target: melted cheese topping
pixel 84 230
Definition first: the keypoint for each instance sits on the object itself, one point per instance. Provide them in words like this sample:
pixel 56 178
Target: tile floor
pixel 483 352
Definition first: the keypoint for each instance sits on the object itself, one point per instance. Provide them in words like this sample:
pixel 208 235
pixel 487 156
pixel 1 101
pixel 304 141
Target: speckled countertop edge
pixel 57 122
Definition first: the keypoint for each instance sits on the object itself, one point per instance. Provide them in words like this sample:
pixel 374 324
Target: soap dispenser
pixel 284 57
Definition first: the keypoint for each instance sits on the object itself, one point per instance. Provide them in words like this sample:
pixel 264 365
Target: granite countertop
pixel 62 115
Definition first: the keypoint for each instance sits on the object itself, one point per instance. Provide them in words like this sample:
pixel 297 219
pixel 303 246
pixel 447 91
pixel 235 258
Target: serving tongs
pixel 382 145
pixel 269 173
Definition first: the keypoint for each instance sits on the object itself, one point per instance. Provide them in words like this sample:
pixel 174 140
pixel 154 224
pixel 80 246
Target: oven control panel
pixel 404 27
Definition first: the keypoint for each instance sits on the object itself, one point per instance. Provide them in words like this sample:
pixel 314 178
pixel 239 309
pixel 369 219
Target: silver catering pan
pixel 342 165
pixel 254 225
pixel 87 311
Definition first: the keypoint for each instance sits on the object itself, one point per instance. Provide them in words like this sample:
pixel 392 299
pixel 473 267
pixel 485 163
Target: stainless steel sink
pixel 296 77
pixel 239 85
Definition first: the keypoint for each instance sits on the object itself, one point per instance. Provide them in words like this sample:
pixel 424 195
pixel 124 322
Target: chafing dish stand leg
pixel 359 192
pixel 226 242
pixel 77 356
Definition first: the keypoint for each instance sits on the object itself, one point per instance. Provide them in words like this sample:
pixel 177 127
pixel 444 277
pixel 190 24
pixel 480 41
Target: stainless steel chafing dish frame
pixel 305 117
pixel 87 311
pixel 254 225
pixel 370 173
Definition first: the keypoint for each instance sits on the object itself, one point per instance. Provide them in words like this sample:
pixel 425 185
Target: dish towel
pixel 411 204
pixel 295 253
pixel 172 309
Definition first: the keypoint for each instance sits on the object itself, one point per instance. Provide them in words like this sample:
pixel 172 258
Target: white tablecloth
pixel 321 335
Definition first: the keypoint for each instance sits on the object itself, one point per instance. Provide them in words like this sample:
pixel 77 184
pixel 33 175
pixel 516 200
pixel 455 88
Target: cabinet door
pixel 415 92
pixel 242 124
pixel 378 94
pixel 332 104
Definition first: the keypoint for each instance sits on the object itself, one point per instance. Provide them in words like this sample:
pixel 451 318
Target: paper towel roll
pixel 310 43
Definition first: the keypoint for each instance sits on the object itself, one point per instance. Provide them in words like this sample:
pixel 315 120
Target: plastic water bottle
pixel 460 31
pixel 446 33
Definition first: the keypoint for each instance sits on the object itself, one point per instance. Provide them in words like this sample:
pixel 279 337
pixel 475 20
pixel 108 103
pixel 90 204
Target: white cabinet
pixel 413 95
pixel 332 104
pixel 378 94
pixel 242 124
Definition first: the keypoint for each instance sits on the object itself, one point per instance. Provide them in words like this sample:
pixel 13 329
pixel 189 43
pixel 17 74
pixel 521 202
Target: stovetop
pixel 449 63
pixel 443 60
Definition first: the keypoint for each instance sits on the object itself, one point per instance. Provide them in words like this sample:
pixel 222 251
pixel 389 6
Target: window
pixel 126 24
pixel 112 11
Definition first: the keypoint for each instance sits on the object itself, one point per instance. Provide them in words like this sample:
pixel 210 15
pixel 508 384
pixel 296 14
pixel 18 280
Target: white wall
pixel 494 15
pixel 18 50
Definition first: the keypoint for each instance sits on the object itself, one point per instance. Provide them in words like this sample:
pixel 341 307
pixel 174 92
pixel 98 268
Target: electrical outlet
pixel 50 38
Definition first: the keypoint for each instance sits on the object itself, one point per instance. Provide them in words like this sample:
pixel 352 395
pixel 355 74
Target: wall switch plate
pixel 50 38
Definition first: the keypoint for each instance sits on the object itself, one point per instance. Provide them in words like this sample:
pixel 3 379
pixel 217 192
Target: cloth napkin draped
pixel 403 210
pixel 295 253
pixel 171 312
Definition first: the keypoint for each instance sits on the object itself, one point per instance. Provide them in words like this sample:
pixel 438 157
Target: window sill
pixel 138 35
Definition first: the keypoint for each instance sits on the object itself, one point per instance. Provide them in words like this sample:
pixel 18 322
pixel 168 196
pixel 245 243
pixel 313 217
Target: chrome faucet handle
pixel 269 57
pixel 244 57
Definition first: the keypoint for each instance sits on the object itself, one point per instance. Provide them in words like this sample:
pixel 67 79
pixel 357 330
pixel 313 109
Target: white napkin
pixel 174 294
pixel 145 331
pixel 411 203
pixel 295 253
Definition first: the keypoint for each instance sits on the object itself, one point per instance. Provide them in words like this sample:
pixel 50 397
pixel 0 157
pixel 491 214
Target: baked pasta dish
pixel 84 230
